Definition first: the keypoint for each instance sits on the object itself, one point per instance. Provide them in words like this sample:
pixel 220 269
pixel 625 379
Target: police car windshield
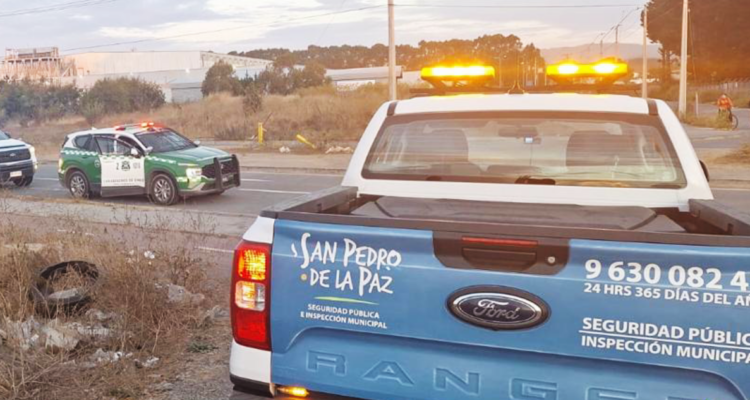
pixel 163 141
pixel 546 148
pixel 4 136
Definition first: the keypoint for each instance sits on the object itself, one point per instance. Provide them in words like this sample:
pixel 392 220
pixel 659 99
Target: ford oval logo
pixel 498 308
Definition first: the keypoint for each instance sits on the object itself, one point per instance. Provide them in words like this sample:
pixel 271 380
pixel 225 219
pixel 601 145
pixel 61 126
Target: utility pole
pixel 617 41
pixel 392 89
pixel 684 61
pixel 500 71
pixel 644 75
pixel 601 48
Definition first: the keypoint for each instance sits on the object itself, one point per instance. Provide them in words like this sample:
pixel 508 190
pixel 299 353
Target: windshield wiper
pixel 531 180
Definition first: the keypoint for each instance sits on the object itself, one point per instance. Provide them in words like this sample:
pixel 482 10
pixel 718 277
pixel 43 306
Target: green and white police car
pixel 144 159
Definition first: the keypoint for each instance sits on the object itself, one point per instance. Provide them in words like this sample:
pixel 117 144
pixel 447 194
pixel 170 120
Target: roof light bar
pixel 607 69
pixel 475 71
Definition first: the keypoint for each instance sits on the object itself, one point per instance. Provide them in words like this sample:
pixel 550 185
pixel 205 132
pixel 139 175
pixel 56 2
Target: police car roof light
pixel 606 68
pixel 464 72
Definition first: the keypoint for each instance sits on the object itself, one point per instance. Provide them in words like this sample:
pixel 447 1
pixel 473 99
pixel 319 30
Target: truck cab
pixel 501 246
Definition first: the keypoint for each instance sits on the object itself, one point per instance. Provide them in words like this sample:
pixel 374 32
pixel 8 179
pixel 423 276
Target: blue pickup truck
pixel 525 247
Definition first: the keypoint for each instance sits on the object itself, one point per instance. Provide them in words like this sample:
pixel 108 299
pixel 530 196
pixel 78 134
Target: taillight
pixel 251 278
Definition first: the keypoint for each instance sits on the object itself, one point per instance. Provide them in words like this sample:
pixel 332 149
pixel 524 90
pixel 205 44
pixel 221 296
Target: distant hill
pixel 590 53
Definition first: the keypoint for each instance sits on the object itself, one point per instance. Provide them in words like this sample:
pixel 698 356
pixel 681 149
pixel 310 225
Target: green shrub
pixel 28 101
pixel 284 80
pixel 220 78
pixel 121 95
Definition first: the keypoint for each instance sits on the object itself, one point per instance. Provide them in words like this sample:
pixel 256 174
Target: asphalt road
pixel 258 191
pixel 710 139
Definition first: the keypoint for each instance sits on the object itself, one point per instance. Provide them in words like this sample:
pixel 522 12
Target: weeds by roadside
pixel 708 121
pixel 143 312
pixel 739 156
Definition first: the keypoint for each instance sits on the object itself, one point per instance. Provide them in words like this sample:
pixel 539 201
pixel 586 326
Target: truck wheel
pixel 23 182
pixel 163 190
pixel 79 185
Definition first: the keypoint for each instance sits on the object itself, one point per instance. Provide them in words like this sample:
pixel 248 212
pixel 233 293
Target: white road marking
pixel 211 249
pixel 731 190
pixel 47 189
pixel 296 174
pixel 47 179
pixel 255 180
pixel 272 191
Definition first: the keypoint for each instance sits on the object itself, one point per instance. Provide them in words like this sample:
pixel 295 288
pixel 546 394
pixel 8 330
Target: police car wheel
pixel 78 185
pixel 23 182
pixel 163 190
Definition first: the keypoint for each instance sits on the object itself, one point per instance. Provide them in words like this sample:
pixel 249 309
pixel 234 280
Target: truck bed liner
pixel 623 218
pixel 339 205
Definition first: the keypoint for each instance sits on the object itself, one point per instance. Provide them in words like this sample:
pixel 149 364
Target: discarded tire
pixel 51 300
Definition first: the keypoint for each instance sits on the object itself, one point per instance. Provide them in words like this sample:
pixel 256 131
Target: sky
pixel 224 25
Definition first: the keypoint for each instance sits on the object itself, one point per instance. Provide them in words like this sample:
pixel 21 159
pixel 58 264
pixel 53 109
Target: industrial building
pixel 35 64
pixel 179 74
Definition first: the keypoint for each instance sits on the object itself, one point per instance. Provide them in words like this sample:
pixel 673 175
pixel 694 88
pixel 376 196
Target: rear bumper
pixel 250 390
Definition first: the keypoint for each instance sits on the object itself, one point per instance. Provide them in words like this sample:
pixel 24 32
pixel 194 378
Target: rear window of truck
pixel 568 149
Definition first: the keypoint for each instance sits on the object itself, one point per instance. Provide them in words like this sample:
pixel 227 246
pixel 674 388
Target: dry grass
pixel 148 325
pixel 321 114
pixel 708 121
pixel 739 156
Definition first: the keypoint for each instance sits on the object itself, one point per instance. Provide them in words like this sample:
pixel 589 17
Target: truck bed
pixel 708 223
pixel 387 298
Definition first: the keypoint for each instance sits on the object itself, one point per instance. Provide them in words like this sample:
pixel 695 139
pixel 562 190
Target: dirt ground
pixel 194 361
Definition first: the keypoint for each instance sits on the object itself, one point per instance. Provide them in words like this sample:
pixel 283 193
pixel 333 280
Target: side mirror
pixel 197 142
pixel 705 171
pixel 149 150
pixel 134 152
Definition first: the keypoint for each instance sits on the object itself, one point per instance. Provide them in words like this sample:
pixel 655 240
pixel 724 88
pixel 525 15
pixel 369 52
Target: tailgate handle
pixel 536 256
pixel 502 260
pixel 513 255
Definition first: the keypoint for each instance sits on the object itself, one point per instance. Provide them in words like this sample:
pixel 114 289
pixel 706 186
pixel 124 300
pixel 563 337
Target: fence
pixel 734 86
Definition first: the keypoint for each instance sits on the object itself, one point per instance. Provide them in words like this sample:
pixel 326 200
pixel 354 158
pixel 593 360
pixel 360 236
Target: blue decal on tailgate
pixel 364 312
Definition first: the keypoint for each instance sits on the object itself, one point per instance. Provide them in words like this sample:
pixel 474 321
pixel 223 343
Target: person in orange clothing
pixel 725 106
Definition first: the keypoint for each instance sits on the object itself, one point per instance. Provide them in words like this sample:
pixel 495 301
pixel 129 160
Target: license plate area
pixel 16 174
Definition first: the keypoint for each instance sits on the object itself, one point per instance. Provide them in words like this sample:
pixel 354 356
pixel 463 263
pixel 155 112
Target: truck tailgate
pixel 383 313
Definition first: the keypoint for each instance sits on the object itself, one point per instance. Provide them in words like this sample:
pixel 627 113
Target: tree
pixel 489 49
pixel 28 101
pixel 220 78
pixel 314 74
pixel 718 47
pixel 121 95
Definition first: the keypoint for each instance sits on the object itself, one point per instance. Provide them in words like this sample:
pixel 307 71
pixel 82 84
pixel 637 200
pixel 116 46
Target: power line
pixel 330 21
pixel 286 21
pixel 54 7
pixel 612 29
